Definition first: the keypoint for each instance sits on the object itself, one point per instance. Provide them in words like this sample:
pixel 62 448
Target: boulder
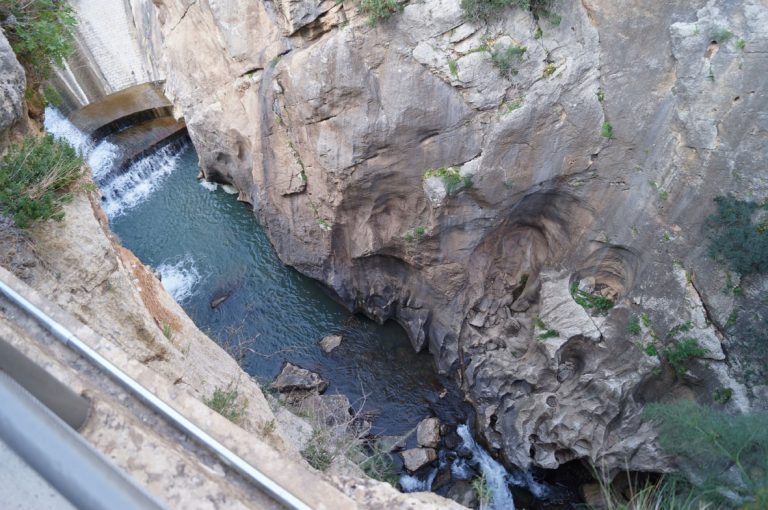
pixel 294 378
pixel 330 342
pixel 416 458
pixel 428 432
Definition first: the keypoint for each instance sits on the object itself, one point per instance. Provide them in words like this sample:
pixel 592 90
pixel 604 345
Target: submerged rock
pixel 215 302
pixel 416 458
pixel 428 432
pixel 294 378
pixel 330 342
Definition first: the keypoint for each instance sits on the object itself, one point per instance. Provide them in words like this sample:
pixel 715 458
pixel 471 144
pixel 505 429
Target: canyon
pixel 534 222
pixel 328 126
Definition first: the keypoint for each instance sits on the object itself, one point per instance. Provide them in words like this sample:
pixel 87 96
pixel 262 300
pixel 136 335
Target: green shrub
pixel 34 176
pixel 227 402
pixel 680 328
pixel 651 350
pixel 722 395
pixel 505 58
pixel 722 35
pixel 725 457
pixel 42 35
pixel 451 177
pixel 318 456
pixel 633 326
pixel 545 331
pixel 741 44
pixel 453 67
pixel 475 10
pixel 589 301
pixel 378 464
pixel 680 353
pixel 735 239
pixel 483 9
pixel 378 10
pixel 607 130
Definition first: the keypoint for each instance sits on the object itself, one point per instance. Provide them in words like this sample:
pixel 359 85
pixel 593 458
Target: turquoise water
pixel 207 245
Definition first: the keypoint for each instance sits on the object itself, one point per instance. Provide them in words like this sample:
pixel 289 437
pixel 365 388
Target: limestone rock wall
pixel 14 83
pixel 328 126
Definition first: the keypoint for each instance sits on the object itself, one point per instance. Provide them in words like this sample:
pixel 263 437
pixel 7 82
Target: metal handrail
pixel 71 465
pixel 151 400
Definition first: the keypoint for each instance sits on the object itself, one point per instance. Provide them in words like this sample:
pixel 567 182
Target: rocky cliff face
pixel 590 163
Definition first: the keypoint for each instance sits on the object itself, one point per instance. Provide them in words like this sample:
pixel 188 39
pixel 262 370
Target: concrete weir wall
pixel 107 56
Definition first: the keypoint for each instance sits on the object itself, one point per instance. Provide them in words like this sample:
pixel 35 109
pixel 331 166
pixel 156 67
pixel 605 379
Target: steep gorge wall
pixel 327 126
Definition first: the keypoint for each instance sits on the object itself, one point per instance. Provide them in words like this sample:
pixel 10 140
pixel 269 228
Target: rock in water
pixel 294 378
pixel 330 342
pixel 428 433
pixel 416 458
pixel 215 302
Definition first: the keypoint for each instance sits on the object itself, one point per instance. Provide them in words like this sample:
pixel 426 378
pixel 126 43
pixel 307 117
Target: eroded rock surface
pixel 13 82
pixel 327 126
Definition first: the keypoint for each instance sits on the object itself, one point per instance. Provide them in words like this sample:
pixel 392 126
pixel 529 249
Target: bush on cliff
pixel 724 457
pixel 41 33
pixel 379 10
pixel 34 177
pixel 484 9
pixel 735 238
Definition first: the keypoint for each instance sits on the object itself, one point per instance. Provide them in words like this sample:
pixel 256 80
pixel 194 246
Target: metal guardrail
pixel 62 457
pixel 151 400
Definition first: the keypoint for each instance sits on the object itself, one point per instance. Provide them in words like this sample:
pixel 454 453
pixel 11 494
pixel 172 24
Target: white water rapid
pixel 495 474
pixel 128 188
pixel 179 278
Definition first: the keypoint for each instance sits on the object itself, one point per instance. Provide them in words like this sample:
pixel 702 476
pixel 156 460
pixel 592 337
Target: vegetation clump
pixel 34 178
pixel 505 58
pixel 680 353
pixel 724 457
pixel 41 33
pixel 475 10
pixel 633 326
pixel 545 331
pixel 734 238
pixel 599 304
pixel 227 402
pixel 451 177
pixel 379 10
pixel 607 130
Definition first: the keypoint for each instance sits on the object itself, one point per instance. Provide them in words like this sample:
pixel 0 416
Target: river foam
pixel 495 475
pixel 179 278
pixel 127 189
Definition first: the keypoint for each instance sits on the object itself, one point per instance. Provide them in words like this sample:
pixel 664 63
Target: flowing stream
pixel 207 247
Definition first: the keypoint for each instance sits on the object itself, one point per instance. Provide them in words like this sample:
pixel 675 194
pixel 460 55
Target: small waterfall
pixel 495 474
pixel 123 190
pixel 138 181
pixel 179 278
pixel 411 483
